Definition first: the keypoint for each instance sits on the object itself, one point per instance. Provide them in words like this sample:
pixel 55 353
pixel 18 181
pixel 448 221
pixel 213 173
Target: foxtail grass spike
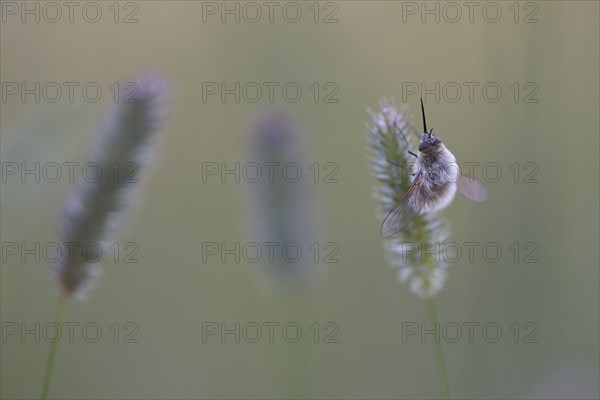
pixel 282 206
pixel 416 250
pixel 123 148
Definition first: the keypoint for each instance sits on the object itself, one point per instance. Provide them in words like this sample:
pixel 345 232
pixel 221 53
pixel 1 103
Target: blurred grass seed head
pixel 127 137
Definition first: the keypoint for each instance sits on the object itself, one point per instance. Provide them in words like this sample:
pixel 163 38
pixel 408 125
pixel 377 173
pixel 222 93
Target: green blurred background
pixel 368 53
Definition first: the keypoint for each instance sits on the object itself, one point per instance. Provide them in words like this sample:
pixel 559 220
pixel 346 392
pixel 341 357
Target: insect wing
pixel 471 188
pixel 407 208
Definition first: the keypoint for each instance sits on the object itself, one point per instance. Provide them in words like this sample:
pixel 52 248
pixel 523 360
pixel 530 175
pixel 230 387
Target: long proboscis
pixel 423 112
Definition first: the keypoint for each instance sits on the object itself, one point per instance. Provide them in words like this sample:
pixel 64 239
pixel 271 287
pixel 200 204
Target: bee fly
pixel 436 179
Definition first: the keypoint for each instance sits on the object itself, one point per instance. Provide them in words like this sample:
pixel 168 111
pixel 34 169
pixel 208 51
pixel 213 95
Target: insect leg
pixel 407 144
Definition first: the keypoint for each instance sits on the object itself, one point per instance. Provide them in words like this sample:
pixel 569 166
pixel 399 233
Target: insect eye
pixel 424 145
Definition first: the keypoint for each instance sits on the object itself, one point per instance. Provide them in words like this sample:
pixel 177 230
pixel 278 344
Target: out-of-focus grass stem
pixel 58 319
pixel 438 352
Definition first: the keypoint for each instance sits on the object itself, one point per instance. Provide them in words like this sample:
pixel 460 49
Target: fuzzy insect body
pixel 439 173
